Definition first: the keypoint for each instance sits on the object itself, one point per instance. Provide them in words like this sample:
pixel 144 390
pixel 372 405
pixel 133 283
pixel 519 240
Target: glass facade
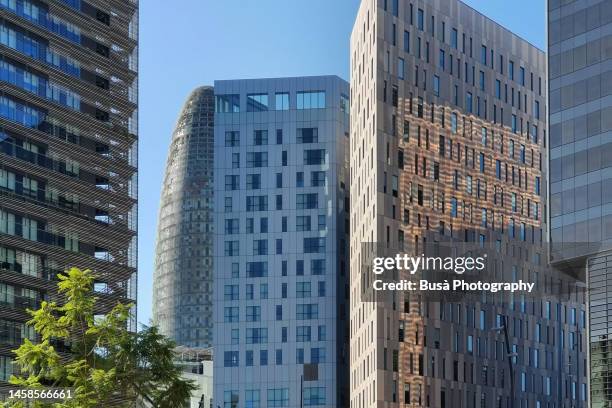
pixel 182 280
pixel 580 49
pixel 68 155
pixel 580 100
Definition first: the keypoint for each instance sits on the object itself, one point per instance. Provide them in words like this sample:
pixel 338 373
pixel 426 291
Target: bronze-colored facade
pixel 68 153
pixel 448 138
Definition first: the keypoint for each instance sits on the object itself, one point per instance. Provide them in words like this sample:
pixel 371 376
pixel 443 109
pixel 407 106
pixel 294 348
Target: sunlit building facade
pixel 281 243
pixel 68 155
pixel 448 137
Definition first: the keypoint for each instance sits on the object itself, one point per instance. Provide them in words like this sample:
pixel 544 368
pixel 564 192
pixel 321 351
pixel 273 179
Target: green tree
pixel 107 365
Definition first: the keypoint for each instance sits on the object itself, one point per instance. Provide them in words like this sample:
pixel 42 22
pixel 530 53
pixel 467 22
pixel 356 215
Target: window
pixel 454 35
pixel 406 41
pixel 400 68
pixel 257 159
pixel 442 59
pixel 251 397
pixel 314 396
pixel 344 104
pixel 230 398
pixel 278 397
pixel 229 103
pixel 256 335
pixel 232 182
pixel 253 181
pixel 436 85
pixel 256 269
pixel 257 102
pixel 231 248
pixel 230 359
pixel 231 292
pixel 232 138
pixel 306 201
pixel 307 311
pixel 253 313
pixel 321 335
pixel 468 102
pixel 314 156
pixel 453 122
pixel 230 314
pixel 322 222
pixel 522 76
pixel 282 100
pixel 511 70
pixel 317 178
pixel 483 55
pixel 482 80
pixel 260 137
pixel 498 89
pixel 307 135
pixel 317 355
pixel 260 247
pixel 317 266
pixel 235 336
pixel 302 223
pixel 302 290
pixel 421 19
pixel 299 179
pixel 314 245
pixel 302 334
pixel 311 100
pixel 256 203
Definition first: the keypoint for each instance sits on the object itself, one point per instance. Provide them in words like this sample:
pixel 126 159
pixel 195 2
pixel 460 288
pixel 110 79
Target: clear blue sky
pixel 188 43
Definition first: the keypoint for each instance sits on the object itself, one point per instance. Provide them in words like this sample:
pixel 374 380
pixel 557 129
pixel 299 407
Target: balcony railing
pixel 40 272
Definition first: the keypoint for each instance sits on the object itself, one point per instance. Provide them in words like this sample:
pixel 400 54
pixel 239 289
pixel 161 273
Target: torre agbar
pixel 68 155
pixel 448 142
pixel 182 281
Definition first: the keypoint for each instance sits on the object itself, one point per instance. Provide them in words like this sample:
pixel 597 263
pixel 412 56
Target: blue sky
pixel 194 42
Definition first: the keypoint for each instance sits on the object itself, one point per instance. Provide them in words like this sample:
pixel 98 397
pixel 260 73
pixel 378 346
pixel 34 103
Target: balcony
pixel 41 272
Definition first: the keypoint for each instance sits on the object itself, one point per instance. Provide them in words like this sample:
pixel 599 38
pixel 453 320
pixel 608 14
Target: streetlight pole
pixel 509 357
pixel 301 391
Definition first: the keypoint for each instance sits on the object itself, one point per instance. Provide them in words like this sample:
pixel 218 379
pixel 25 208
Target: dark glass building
pixel 182 294
pixel 68 154
pixel 580 120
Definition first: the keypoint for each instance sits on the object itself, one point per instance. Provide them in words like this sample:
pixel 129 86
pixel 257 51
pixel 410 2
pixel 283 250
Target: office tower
pixel 580 85
pixel 68 154
pixel 448 143
pixel 281 242
pixel 182 281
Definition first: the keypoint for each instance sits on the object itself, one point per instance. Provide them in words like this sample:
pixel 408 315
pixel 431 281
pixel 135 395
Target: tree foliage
pixel 106 365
